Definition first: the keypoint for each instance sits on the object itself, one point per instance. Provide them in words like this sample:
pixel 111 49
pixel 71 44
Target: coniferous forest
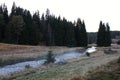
pixel 21 27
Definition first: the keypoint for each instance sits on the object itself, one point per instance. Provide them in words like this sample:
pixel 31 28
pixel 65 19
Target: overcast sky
pixel 92 11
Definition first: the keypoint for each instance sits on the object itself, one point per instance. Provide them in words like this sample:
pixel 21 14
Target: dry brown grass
pixel 16 53
pixel 73 68
pixel 109 71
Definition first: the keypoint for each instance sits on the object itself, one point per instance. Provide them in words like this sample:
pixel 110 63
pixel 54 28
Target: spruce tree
pixel 14 29
pixel 30 33
pixel 84 33
pixel 103 35
pixel 50 58
pixel 4 13
pixel 2 25
pixel 77 32
pixel 81 34
pixel 108 35
pixel 13 10
pixel 50 35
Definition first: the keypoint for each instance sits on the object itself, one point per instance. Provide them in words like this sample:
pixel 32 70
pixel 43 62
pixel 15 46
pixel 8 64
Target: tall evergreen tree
pixel 50 35
pixel 77 32
pixel 2 25
pixel 69 36
pixel 84 38
pixel 30 33
pixel 38 26
pixel 14 29
pixel 81 34
pixel 4 13
pixel 108 35
pixel 13 10
pixel 1 9
pixel 103 35
pixel 100 34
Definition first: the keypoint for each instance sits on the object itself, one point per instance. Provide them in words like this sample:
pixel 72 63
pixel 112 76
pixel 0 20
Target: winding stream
pixel 59 58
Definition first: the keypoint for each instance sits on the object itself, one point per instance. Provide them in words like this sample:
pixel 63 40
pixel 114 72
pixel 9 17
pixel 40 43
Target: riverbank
pixel 11 54
pixel 109 71
pixel 75 66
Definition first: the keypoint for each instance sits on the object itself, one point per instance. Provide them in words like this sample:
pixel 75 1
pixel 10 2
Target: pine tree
pixel 81 34
pixel 100 34
pixel 13 10
pixel 103 35
pixel 84 37
pixel 37 26
pixel 50 35
pixel 30 33
pixel 14 29
pixel 69 35
pixel 77 32
pixel 2 25
pixel 50 57
pixel 4 13
pixel 108 35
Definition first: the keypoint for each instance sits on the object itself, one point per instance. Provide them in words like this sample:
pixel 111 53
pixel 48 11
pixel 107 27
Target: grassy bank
pixel 10 53
pixel 110 71
pixel 79 66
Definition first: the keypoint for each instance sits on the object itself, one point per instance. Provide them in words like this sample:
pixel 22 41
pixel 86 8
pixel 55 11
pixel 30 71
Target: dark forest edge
pixel 20 27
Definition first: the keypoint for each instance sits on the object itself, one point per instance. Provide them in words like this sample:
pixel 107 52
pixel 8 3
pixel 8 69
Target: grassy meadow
pixel 10 53
pixel 75 68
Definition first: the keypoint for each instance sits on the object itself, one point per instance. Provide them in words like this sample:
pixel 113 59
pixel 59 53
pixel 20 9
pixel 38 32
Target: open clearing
pixel 78 66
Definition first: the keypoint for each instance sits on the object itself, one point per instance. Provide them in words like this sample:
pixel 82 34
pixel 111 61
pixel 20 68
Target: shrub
pixel 27 66
pixel 50 57
pixel 88 54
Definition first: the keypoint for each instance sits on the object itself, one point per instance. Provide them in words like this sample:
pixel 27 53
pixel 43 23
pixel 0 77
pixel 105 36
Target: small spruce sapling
pixel 50 57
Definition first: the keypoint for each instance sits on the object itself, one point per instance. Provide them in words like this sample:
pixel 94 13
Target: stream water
pixel 58 58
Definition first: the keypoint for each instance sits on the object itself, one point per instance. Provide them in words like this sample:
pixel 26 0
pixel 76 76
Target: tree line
pixel 21 27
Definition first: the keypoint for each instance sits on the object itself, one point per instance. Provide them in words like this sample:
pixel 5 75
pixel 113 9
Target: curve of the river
pixel 58 59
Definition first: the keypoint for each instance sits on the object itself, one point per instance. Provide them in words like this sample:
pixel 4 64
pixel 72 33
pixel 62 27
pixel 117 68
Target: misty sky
pixel 92 11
